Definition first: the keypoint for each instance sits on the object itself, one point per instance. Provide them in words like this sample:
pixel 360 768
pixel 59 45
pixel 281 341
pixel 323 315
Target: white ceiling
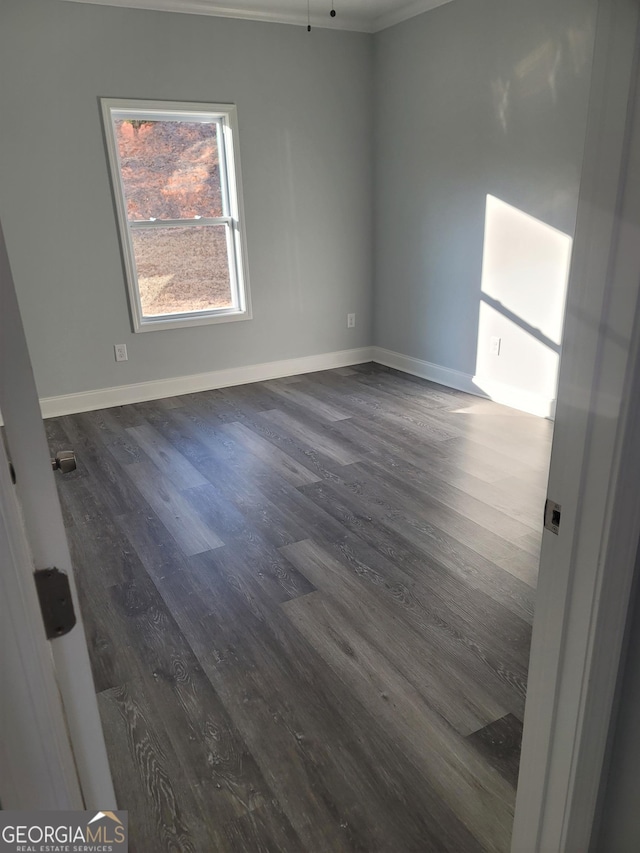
pixel 368 16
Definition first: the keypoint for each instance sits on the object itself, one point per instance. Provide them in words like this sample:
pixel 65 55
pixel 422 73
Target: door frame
pixel 586 571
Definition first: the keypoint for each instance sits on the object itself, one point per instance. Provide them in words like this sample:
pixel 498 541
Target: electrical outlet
pixel 351 321
pixel 121 352
pixel 494 345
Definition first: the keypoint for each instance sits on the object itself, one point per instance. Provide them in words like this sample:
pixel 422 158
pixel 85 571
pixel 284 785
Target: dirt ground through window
pixel 182 269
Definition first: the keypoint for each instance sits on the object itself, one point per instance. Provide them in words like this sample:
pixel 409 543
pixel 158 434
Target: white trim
pixel 225 118
pixel 203 7
pixel 185 321
pixel 280 16
pixel 426 370
pixel 410 10
pixel 586 570
pixel 104 398
pixel 499 392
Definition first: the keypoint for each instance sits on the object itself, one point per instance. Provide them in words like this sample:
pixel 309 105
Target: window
pixel 176 179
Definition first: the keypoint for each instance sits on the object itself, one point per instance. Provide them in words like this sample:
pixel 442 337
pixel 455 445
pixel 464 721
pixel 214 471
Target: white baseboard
pixel 426 370
pixel 104 398
pixel 499 392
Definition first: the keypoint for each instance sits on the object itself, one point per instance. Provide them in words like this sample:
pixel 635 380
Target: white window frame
pixel 114 109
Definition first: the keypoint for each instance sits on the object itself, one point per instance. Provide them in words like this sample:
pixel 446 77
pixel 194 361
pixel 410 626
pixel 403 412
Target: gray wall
pixel 471 98
pixel 304 110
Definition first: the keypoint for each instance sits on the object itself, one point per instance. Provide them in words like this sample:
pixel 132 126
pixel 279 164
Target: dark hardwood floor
pixel 308 605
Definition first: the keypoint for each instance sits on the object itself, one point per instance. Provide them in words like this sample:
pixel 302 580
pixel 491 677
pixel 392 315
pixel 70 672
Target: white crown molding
pixel 206 7
pixel 409 10
pixel 274 15
pixel 157 389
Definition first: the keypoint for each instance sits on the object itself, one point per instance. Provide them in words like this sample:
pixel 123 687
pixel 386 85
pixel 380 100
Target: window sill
pixel 182 321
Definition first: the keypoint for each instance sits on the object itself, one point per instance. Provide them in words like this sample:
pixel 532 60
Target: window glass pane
pixel 170 169
pixel 182 269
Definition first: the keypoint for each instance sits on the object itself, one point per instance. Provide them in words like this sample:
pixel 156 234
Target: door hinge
pixel 56 602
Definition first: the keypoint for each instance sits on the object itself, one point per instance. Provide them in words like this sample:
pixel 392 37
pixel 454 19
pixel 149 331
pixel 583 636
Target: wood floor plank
pixel 175 467
pixel 504 464
pixel 154 545
pixel 126 416
pixel 79 501
pixel 500 743
pixel 264 830
pixel 521 564
pixel 284 464
pixel 324 411
pixel 249 554
pixel 176 427
pixel 275 522
pixel 338 451
pixel 171 507
pixel 110 654
pixel 103 553
pixel 104 473
pixel 531 542
pixel 107 429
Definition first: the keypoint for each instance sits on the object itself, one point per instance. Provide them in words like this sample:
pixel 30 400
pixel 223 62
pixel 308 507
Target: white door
pixel 53 754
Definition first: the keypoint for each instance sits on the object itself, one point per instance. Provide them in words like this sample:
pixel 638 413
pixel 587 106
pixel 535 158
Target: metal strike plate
pixel 56 603
pixel 552 512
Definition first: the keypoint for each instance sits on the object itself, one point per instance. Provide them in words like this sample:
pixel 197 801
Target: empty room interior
pixel 293 288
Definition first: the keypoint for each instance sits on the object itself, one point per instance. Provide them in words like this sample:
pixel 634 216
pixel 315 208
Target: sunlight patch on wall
pixel 525 270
